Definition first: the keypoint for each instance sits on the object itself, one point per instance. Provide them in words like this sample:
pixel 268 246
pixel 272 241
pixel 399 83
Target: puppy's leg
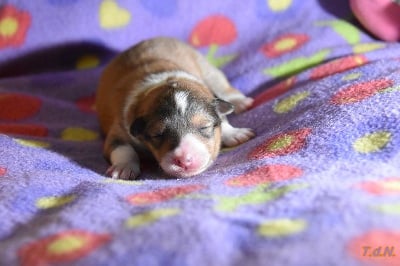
pixel 220 86
pixel 232 136
pixel 124 160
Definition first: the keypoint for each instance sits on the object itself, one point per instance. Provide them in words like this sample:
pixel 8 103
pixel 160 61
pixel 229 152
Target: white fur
pixel 181 101
pixel 232 136
pixel 153 81
pixel 123 154
pixel 189 143
pixel 125 163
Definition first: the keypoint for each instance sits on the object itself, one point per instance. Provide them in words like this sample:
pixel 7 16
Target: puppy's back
pixel 126 71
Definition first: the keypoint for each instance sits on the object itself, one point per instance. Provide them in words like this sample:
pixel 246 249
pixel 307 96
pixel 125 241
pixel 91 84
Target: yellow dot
pixel 279 5
pixel 8 26
pixel 33 143
pixel 150 217
pixel 392 185
pixel 367 47
pixel 87 61
pixel 359 60
pixel 282 227
pixel 288 103
pixel 66 244
pixel 112 16
pixel 352 76
pixel 280 143
pixel 53 202
pixel 78 134
pixel 285 44
pixel 372 142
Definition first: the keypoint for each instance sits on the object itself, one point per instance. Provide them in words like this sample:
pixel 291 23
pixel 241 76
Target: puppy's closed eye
pixel 138 126
pixel 206 130
pixel 156 135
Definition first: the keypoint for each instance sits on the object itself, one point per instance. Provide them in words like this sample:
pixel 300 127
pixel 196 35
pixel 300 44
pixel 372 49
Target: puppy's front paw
pixel 237 136
pixel 242 103
pixel 126 171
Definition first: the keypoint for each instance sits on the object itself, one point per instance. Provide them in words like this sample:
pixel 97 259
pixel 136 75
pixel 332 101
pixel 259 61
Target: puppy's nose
pixel 184 161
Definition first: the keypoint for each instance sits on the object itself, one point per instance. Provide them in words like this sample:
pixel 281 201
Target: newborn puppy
pixel 162 96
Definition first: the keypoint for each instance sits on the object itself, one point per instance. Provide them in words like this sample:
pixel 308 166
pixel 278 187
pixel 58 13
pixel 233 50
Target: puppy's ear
pixel 138 126
pixel 223 107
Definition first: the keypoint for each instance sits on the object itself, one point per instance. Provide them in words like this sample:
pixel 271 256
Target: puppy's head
pixel 181 126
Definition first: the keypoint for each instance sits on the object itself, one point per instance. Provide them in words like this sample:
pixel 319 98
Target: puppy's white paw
pixel 242 103
pixel 236 136
pixel 126 171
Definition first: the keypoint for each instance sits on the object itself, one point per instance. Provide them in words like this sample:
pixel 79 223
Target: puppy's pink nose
pixel 184 161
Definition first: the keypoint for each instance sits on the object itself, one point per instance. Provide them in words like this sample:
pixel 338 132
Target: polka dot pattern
pixel 14 26
pixel 61 247
pixel 17 107
pixel 320 175
pixel 78 134
pixel 281 144
pixel 24 129
pixel 3 171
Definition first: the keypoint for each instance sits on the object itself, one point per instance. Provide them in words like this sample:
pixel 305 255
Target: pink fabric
pixel 380 17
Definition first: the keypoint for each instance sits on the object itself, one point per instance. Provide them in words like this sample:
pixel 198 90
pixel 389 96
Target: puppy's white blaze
pixel 154 81
pixel 181 101
pixel 189 144
pixel 123 154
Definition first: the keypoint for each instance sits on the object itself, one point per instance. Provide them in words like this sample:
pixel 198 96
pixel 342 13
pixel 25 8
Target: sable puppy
pixel 162 96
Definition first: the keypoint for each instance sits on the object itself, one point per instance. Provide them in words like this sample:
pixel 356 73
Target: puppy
pixel 163 96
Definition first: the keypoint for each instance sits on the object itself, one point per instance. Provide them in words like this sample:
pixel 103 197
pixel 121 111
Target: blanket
pixel 318 185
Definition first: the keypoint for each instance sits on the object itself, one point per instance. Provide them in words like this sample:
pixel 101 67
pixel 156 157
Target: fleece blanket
pixel 318 185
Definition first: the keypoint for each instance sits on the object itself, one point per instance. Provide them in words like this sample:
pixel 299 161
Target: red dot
pixel 376 247
pixel 277 47
pixel 24 129
pixel 338 65
pixel 87 104
pixel 16 107
pixel 162 194
pixel 215 29
pixel 387 186
pixel 360 91
pixel 265 174
pixel 23 21
pixel 39 253
pixel 3 171
pixel 275 91
pixel 281 144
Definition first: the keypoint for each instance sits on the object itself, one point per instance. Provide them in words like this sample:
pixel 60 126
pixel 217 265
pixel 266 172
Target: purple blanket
pixel 319 185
